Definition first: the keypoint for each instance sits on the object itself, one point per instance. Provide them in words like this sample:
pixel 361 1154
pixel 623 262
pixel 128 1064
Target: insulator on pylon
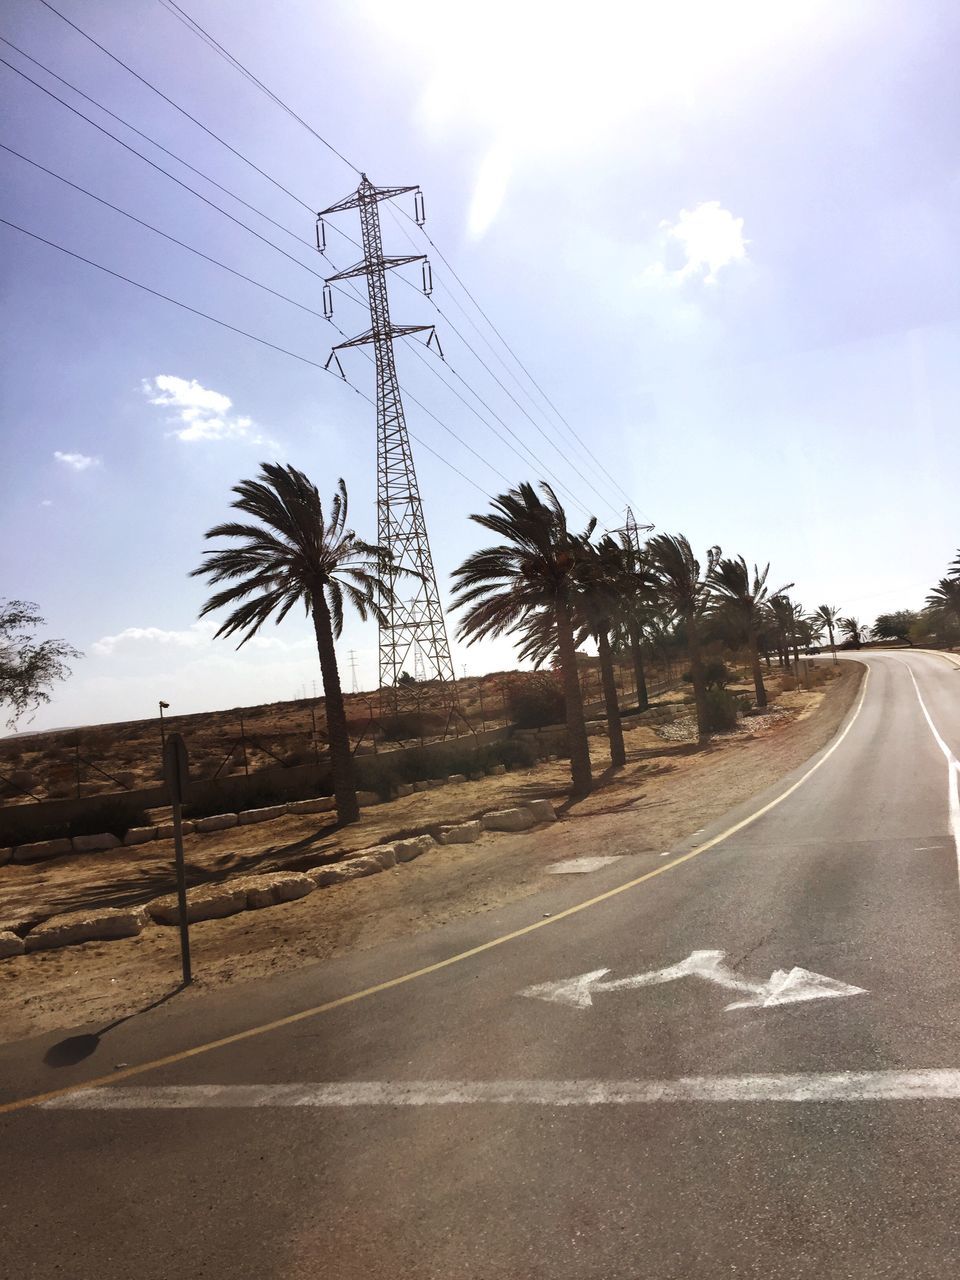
pixel 427 279
pixel 327 302
pixel 418 212
pixel 321 235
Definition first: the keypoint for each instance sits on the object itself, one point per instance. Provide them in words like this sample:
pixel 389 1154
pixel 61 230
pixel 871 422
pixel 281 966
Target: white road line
pixel 953 770
pixel 839 1086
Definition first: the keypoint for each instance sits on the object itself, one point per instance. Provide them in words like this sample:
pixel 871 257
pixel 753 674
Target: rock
pixel 94 844
pixel 10 945
pixel 217 822
pixel 5 856
pixel 140 835
pixel 477 777
pixel 542 810
pixel 595 728
pixel 385 855
pixel 205 902
pixel 274 887
pixel 165 829
pixel 508 820
pixel 457 778
pixel 421 786
pixel 496 770
pixel 405 788
pixel 322 804
pixel 86 926
pixel 42 849
pixel 407 850
pixel 367 798
pixel 250 816
pixel 433 783
pixel 463 833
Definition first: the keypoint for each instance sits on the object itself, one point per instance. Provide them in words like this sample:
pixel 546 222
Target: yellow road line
pixel 182 1055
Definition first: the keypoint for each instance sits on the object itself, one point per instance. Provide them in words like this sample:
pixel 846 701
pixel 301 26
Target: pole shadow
pixel 74 1049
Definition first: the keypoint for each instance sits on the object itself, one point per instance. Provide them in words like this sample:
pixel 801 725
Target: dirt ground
pixel 665 791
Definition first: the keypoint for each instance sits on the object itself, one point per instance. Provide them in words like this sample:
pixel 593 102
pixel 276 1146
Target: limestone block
pixel 205 902
pixel 367 798
pixel 508 820
pixel 5 856
pixel 496 770
pixel 477 777
pixel 457 777
pixel 407 850
pixel 275 886
pixel 542 810
pixel 405 788
pixel 140 835
pixel 323 804
pixel 10 945
pixel 42 849
pixel 250 816
pixel 421 786
pixel 165 829
pixel 595 728
pixel 216 822
pixel 463 833
pixel 94 844
pixel 433 783
pixel 86 926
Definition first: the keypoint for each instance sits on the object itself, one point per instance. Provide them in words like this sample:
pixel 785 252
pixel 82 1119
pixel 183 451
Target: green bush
pixel 536 700
pixel 721 710
pixel 716 675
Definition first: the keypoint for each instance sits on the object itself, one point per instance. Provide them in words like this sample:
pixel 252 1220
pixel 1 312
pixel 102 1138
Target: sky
pixel 721 239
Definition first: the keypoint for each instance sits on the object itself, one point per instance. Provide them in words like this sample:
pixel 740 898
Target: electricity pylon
pixel 415 634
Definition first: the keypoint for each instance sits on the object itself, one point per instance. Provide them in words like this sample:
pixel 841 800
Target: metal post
pixel 483 721
pixel 163 740
pixel 176 773
pixel 76 749
pixel 243 748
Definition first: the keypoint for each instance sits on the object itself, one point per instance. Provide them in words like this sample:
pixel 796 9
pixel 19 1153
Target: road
pixel 758 1077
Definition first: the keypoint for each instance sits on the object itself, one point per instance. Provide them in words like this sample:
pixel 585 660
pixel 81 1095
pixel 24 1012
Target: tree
pixel 895 626
pixel 746 598
pixel 685 593
pixel 294 555
pixel 852 630
pixel 635 616
pixel 829 616
pixel 501 588
pixel 28 667
pixel 944 601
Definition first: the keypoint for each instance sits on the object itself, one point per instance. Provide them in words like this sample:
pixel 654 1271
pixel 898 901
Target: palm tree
pixel 746 598
pixel 944 599
pixel 502 588
pixel 635 613
pixel 607 586
pixel 685 592
pixel 854 632
pixel 293 555
pixel 829 616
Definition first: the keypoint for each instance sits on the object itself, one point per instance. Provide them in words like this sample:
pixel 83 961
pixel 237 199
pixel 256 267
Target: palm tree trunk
pixel 618 754
pixel 341 757
pixel 576 726
pixel 696 674
pixel 639 675
pixel 758 685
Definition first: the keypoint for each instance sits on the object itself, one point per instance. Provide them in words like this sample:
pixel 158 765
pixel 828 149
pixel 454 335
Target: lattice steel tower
pixel 415 637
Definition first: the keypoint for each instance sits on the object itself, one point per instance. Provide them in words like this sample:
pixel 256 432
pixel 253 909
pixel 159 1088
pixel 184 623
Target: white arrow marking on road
pixel 783 986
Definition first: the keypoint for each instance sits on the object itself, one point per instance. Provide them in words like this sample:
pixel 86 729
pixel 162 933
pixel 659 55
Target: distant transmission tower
pixel 415 635
pixel 632 530
pixel 353 672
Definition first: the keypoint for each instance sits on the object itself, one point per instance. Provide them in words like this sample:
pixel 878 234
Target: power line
pixel 156 230
pixel 191 23
pixel 183 111
pixel 204 315
pixel 153 142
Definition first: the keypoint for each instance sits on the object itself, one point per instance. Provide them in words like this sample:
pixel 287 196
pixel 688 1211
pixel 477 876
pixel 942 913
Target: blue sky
pixel 722 238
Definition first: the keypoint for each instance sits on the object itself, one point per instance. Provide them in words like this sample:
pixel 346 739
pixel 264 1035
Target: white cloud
pixel 199 635
pixel 77 461
pixel 489 189
pixel 201 413
pixel 710 238
pixel 45 502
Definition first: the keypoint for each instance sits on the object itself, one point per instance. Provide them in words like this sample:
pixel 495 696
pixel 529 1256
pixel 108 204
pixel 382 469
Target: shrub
pixel 536 700
pixel 716 675
pixel 721 710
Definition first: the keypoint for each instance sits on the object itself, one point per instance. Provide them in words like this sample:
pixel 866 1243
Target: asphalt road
pixel 447 1125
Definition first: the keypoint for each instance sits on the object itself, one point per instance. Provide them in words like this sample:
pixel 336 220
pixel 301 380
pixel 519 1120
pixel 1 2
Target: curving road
pixel 740 1060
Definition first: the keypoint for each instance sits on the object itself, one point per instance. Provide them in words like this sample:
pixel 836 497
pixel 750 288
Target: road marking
pixel 579 866
pixel 953 770
pixel 783 986
pixel 328 1006
pixel 838 1086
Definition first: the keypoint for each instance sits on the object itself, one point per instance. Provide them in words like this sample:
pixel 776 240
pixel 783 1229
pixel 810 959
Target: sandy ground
pixel 665 791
